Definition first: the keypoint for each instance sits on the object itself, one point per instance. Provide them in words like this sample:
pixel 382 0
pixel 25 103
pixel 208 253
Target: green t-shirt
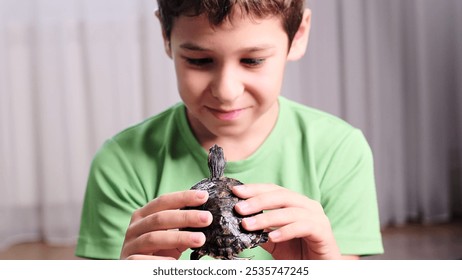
pixel 308 151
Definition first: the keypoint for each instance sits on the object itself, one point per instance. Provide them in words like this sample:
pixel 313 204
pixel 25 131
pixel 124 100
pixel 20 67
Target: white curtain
pixel 394 69
pixel 75 72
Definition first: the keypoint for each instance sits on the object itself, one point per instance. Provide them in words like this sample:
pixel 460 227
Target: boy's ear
pixel 167 45
pixel 300 41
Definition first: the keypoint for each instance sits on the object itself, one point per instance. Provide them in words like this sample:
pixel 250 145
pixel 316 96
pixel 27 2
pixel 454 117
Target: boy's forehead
pixel 235 36
pixel 243 34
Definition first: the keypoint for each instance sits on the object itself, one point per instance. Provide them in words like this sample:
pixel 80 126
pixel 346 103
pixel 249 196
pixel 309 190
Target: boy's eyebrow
pixel 194 47
pixel 258 48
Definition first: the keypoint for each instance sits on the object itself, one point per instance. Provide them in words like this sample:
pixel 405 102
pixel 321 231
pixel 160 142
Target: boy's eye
pixel 199 61
pixel 252 61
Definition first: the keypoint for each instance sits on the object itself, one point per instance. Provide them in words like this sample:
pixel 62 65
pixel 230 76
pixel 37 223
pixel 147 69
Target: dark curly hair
pixel 217 11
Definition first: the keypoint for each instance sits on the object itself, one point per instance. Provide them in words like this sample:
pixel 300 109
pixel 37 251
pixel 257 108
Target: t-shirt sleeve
pixel 349 196
pixel 110 199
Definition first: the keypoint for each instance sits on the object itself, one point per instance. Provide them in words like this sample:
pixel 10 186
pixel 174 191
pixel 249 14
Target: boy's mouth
pixel 226 115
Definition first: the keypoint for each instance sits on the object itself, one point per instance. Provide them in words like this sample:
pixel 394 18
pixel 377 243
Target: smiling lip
pixel 226 115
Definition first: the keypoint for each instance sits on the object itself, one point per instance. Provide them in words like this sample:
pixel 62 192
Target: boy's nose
pixel 227 86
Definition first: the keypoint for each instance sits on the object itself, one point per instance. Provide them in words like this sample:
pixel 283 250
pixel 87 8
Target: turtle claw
pixel 195 255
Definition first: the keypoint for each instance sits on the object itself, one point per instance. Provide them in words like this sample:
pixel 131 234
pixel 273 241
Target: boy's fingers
pixel 173 219
pixel 174 200
pixel 169 219
pixel 276 199
pixel 291 231
pixel 274 219
pixel 249 190
pixel 152 242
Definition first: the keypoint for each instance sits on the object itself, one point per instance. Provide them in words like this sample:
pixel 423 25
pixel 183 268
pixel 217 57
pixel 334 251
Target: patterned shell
pixel 225 237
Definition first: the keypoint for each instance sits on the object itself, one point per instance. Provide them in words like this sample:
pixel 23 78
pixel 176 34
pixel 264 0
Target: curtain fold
pixel 456 150
pixel 75 72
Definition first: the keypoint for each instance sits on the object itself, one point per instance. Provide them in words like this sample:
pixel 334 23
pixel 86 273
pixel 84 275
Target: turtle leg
pixel 257 240
pixel 264 238
pixel 195 255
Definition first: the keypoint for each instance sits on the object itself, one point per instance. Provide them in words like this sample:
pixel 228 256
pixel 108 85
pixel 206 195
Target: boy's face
pixel 230 76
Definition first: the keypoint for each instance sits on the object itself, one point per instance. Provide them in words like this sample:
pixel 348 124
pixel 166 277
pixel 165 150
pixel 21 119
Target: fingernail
pixel 197 237
pixel 239 187
pixel 201 194
pixel 274 235
pixel 204 216
pixel 250 221
pixel 242 206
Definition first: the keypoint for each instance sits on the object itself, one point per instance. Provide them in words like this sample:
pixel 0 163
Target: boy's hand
pixel 153 230
pixel 300 229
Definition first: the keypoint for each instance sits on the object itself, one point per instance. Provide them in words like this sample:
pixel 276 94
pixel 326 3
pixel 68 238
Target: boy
pixel 310 172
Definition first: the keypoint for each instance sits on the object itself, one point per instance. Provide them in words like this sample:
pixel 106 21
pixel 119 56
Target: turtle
pixel 225 236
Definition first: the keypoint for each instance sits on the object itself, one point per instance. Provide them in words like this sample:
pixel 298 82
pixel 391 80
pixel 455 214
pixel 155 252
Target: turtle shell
pixel 225 237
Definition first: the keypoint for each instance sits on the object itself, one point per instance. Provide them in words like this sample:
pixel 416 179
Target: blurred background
pixel 75 72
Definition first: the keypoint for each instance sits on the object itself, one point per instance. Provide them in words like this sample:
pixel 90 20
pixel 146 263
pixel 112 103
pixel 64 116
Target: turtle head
pixel 216 162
